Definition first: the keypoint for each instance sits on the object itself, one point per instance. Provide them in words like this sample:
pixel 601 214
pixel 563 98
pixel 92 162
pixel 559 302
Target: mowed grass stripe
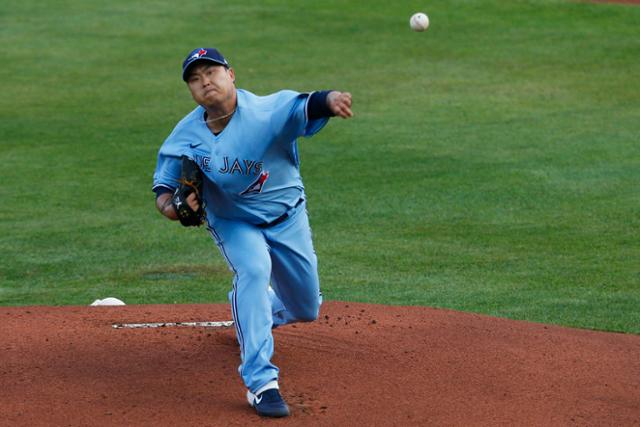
pixel 492 165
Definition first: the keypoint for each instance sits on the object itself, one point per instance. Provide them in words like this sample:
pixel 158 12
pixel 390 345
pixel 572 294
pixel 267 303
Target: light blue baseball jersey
pixel 251 168
pixel 252 177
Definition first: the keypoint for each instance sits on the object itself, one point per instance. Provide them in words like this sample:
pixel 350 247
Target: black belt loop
pixel 281 218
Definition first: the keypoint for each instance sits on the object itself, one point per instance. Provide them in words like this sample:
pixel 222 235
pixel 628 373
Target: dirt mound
pixel 358 364
pixel 636 2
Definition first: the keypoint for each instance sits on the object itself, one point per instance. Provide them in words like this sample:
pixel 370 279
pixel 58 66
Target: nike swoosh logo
pixel 257 400
pixel 191 145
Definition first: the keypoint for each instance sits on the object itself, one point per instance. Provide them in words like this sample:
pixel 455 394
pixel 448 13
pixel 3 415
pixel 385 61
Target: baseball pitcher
pixel 232 165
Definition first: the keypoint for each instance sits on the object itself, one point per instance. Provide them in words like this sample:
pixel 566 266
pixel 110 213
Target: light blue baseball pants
pixel 283 256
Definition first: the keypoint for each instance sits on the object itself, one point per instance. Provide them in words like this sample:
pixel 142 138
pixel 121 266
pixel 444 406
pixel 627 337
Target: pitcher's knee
pixel 308 314
pixel 307 317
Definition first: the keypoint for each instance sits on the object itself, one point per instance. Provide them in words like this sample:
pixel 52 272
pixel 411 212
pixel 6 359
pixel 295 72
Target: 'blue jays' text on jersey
pixel 251 167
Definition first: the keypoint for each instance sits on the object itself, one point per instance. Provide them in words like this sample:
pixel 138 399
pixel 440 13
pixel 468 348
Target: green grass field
pixel 493 165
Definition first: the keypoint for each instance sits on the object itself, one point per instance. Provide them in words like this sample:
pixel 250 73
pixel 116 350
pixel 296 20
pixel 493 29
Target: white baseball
pixel 419 21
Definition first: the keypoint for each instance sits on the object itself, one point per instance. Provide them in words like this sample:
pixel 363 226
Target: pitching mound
pixel 358 365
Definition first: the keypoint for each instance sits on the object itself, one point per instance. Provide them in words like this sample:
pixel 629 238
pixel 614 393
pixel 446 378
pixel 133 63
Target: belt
pixel 281 218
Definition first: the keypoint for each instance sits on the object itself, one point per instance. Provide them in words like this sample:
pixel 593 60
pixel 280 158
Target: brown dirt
pixel 358 365
pixel 618 1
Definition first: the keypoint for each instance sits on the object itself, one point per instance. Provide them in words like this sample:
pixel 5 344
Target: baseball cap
pixel 202 54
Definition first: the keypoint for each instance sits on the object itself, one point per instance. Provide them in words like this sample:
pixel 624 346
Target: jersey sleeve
pixel 291 115
pixel 168 166
pixel 177 144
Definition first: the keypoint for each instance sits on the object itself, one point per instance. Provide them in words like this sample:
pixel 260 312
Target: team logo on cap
pixel 199 54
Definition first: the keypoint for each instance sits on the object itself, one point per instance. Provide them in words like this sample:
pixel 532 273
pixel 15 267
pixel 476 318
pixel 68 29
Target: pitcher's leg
pixel 247 255
pixel 294 272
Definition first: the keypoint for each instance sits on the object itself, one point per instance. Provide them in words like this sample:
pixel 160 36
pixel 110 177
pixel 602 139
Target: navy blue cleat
pixel 269 403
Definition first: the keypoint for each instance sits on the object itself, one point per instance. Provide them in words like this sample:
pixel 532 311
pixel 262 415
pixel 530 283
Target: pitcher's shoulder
pixel 266 102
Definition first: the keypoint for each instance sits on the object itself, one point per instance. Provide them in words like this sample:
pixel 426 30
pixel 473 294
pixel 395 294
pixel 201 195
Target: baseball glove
pixel 190 182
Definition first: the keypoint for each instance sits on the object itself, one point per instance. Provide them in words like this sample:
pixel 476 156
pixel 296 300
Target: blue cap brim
pixel 190 65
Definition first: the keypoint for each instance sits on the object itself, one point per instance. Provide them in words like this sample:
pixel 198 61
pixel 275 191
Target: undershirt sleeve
pixel 160 190
pixel 317 107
